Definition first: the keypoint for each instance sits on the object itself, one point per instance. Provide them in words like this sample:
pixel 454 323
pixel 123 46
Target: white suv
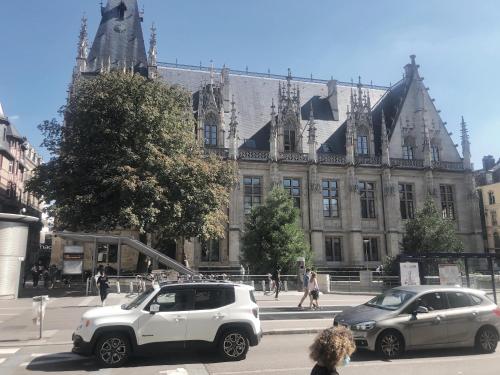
pixel 219 314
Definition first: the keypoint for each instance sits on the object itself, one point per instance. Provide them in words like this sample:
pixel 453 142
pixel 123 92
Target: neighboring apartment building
pixel 357 159
pixel 490 173
pixel 490 199
pixel 17 161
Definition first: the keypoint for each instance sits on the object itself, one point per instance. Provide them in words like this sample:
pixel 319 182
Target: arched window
pixel 210 131
pixel 435 152
pixel 289 139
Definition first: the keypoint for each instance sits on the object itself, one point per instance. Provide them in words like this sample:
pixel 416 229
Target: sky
pixel 457 44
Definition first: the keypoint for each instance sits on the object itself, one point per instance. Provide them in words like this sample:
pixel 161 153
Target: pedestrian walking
pixel 35 275
pixel 313 288
pixel 331 349
pixel 103 284
pixel 53 275
pixel 277 281
pixel 305 286
pixel 242 272
pixel 185 261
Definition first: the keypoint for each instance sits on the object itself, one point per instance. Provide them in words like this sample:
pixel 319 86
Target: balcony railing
pixel 293 157
pixel 222 152
pixel 448 165
pixel 407 163
pixel 253 155
pixel 331 159
pixel 368 160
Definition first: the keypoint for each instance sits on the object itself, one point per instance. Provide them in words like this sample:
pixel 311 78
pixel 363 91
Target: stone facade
pixel 490 212
pixel 357 159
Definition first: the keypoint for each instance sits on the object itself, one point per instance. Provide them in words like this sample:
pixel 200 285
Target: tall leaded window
pixel 406 203
pixel 289 140
pixel 292 186
pixel 491 197
pixel 11 166
pixel 210 129
pixel 496 241
pixel 210 251
pixel 494 220
pixel 367 196
pixel 370 248
pixel 362 145
pixel 333 249
pixel 435 152
pixel 330 198
pixel 252 193
pixel 447 202
pixel 407 152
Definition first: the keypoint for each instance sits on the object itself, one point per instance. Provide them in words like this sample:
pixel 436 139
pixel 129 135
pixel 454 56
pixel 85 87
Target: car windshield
pixel 391 300
pixel 138 300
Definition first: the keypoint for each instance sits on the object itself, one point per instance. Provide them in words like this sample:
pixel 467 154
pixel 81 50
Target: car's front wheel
pixel 233 345
pixel 390 344
pixel 112 350
pixel 487 340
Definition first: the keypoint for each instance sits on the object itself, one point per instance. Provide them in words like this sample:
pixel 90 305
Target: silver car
pixel 424 317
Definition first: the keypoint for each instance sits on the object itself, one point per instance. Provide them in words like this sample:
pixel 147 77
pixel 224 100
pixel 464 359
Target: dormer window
pixel 289 140
pixel 362 145
pixel 210 130
pixel 435 152
pixel 407 152
pixel 121 11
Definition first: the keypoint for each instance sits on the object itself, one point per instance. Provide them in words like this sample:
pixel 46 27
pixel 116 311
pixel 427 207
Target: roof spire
pixel 82 40
pixel 211 72
pixel 385 142
pixel 233 149
pixel 289 83
pixel 152 55
pixel 465 145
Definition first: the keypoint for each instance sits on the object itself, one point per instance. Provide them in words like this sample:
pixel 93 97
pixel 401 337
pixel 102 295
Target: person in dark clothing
pixel 277 281
pixel 35 275
pixel 332 348
pixel 103 284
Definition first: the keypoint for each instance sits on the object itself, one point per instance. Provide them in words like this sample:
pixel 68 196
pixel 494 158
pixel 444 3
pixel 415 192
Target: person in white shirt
pixel 313 288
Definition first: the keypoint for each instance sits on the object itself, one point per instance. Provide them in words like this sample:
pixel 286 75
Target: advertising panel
pixel 409 273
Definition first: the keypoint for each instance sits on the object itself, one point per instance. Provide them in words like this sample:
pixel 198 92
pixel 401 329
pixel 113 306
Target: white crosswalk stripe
pixel 2 360
pixel 9 350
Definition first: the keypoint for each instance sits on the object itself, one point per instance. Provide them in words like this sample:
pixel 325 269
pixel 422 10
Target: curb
pixel 292 331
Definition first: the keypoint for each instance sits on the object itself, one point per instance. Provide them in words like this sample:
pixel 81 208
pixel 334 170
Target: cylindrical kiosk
pixel 13 242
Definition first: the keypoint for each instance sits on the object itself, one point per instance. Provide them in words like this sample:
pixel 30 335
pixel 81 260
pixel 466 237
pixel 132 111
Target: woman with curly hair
pixel 331 348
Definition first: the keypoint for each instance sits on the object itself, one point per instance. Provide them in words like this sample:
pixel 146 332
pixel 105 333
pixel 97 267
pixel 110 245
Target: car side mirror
pixel 421 310
pixel 154 308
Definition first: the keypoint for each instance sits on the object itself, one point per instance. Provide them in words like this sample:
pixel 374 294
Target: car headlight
pixel 364 326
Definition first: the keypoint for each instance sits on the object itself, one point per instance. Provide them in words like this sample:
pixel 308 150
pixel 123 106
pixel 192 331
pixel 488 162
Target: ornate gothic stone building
pixel 357 159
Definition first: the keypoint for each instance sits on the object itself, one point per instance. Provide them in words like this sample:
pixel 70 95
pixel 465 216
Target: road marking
pixel 55 355
pixel 86 301
pixel 8 314
pixel 300 312
pixel 9 350
pixel 177 371
pixel 261 371
pixel 2 360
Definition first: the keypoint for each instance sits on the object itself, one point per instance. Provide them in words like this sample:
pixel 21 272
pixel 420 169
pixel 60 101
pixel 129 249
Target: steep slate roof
pixel 253 97
pixel 119 40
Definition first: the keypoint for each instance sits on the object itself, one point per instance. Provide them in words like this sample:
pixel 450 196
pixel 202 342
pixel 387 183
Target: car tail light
pixel 255 312
pixel 497 312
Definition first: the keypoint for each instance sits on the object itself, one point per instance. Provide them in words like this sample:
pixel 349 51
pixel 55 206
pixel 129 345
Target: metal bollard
pixel 131 287
pixel 118 287
pixel 263 282
pixel 87 286
pixel 286 285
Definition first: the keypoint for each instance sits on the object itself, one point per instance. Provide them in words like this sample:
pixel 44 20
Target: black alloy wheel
pixel 390 344
pixel 486 340
pixel 233 345
pixel 113 350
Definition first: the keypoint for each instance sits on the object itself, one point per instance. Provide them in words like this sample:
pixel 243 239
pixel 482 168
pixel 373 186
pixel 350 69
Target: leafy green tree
pixel 429 232
pixel 126 157
pixel 273 236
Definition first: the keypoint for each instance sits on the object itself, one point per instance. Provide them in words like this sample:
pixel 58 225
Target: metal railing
pixel 332 159
pixel 448 165
pixel 407 163
pixel 368 160
pixel 253 155
pixel 296 157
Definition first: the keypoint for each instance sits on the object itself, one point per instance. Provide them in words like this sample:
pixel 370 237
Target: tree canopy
pixel 273 236
pixel 429 232
pixel 126 157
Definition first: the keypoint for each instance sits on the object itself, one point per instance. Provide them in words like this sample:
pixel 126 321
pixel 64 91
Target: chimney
pixel 488 162
pixel 332 98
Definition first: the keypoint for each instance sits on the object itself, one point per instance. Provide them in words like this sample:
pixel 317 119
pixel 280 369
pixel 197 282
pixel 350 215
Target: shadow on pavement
pixel 365 355
pixel 64 362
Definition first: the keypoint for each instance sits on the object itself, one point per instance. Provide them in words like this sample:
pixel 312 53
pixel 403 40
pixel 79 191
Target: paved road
pixel 289 313
pixel 282 354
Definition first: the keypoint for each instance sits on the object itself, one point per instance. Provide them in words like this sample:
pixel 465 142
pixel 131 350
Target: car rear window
pixel 458 299
pixel 213 298
pixel 475 300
